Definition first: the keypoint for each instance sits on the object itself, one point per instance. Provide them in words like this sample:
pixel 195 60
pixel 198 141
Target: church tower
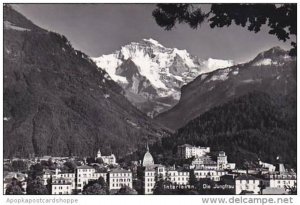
pixel 99 154
pixel 148 159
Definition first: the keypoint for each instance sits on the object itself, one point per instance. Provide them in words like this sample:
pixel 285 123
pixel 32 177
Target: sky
pixel 98 29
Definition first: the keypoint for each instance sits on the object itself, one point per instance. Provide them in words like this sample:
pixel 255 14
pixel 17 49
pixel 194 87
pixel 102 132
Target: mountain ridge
pixel 58 102
pixel 275 75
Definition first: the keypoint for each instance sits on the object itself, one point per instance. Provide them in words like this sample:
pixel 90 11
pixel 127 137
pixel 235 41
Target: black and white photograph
pixel 150 99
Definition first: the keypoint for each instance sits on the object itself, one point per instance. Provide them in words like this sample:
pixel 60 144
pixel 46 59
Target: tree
pixel 99 160
pixel 70 166
pixel 126 190
pixel 94 189
pixel 14 188
pixel 36 170
pixel 192 179
pixel 19 165
pixel 160 187
pixel 281 19
pixel 98 187
pixel 291 189
pixel 90 160
pixel 51 164
pixel 261 186
pixel 36 187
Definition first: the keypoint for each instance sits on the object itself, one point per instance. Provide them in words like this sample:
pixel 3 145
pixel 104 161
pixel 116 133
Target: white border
pixel 144 200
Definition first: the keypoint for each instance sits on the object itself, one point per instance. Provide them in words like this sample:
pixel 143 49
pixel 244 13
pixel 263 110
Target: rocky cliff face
pixel 58 102
pixel 152 74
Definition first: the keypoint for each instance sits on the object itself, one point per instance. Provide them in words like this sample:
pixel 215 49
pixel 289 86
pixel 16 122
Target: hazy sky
pixel 98 29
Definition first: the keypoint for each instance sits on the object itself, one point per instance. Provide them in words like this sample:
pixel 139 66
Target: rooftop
pixel 246 177
pixel 185 145
pixel 119 171
pixel 84 167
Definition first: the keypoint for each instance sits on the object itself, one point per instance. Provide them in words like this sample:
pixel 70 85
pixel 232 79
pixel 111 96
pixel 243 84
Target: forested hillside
pixel 246 128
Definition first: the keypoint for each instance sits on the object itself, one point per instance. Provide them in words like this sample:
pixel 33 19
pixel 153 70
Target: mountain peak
pixel 154 74
pixel 277 51
pixel 152 41
pixel 273 56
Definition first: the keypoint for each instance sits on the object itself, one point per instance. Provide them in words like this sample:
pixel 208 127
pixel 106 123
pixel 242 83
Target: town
pixel 103 175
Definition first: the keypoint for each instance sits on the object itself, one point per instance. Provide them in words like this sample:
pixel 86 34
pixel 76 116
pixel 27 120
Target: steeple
pixel 147 146
pixel 99 154
pixel 148 159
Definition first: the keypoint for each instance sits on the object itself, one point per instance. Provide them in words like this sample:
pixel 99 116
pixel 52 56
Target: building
pixel 286 180
pixel 148 159
pixel 264 165
pixel 151 172
pixel 149 180
pixel 61 186
pixel 71 177
pixel 187 151
pixel 282 178
pixel 47 176
pixel 177 176
pixel 117 178
pixel 85 173
pixel 222 162
pixel 154 172
pixel 110 159
pixel 214 175
pixel 247 184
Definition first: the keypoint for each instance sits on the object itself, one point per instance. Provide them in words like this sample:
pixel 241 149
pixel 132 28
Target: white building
pixel 71 177
pixel 47 176
pixel 247 184
pixel 154 172
pixel 117 178
pixel 148 159
pixel 178 177
pixel 150 175
pixel 286 180
pixel 187 151
pixel 85 173
pixel 110 159
pixel 269 167
pixel 61 186
pixel 214 175
pixel 204 162
pixel 222 162
pixel 283 178
pixel 151 172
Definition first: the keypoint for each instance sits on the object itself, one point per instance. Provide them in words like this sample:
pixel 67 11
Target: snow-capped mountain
pixel 152 74
pixel 272 71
